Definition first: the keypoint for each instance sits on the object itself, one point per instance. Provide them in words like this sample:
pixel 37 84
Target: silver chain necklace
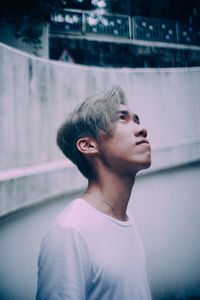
pixel 102 199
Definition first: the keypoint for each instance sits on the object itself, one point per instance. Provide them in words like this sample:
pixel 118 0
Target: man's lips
pixel 143 141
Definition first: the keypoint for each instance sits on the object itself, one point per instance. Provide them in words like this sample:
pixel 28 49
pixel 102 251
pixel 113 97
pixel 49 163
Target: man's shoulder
pixel 77 215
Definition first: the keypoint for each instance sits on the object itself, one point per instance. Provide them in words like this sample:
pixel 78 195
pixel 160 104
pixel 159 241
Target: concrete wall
pixel 36 181
pixel 166 208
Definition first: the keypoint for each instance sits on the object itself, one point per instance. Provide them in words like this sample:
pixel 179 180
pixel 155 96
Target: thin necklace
pixel 102 199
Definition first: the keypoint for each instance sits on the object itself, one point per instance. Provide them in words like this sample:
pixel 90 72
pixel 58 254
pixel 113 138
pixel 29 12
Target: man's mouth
pixel 143 141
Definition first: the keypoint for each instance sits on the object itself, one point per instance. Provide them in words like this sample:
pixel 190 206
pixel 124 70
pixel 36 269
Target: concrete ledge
pixel 24 187
pixel 175 154
pixel 124 40
pixel 32 185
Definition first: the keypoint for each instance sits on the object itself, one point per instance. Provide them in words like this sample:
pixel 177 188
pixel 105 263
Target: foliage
pixel 28 17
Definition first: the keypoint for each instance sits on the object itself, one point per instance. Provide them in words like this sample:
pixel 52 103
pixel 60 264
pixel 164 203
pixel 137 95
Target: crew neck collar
pixel 119 222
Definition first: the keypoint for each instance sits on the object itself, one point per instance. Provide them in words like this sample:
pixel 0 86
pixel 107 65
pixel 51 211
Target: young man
pixel 93 251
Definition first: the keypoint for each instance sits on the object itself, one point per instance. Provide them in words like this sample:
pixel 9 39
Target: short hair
pixel 94 115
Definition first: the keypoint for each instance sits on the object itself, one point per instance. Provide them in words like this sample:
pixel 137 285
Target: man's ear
pixel 87 145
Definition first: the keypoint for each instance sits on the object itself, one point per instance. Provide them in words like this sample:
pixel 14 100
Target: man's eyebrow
pixel 124 112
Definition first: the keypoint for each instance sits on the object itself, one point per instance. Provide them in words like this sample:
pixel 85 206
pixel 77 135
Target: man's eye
pixel 122 117
pixel 137 120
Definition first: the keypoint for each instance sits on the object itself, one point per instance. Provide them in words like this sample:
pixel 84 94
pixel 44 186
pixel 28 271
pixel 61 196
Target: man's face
pixel 127 151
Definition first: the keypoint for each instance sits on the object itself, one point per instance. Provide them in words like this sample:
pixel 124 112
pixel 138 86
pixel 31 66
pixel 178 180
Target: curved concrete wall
pixel 35 96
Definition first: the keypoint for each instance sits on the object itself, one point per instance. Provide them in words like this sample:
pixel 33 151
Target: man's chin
pixel 148 161
pixel 148 164
pixel 144 165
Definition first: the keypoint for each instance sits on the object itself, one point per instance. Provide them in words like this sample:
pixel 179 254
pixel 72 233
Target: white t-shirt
pixel 89 255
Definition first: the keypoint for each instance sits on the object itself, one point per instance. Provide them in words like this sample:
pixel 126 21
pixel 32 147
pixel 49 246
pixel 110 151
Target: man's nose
pixel 141 131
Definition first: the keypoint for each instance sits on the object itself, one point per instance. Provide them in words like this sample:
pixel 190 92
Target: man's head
pixel 97 114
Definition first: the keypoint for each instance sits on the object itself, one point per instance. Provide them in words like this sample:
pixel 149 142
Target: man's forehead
pixel 124 108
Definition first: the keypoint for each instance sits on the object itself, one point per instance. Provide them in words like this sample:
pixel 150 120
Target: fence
pixel 137 28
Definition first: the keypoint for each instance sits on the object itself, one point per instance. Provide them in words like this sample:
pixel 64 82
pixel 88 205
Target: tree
pixel 28 17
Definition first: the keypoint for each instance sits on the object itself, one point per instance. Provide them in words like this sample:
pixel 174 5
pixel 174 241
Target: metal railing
pixel 155 30
pixel 107 24
pixel 67 21
pixel 137 28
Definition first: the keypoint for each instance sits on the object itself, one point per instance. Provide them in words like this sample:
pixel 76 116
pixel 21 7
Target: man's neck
pixel 113 189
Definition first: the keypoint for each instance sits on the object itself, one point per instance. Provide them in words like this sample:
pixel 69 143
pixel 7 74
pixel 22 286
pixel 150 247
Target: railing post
pixel 129 28
pixel 177 32
pixel 133 27
pixel 83 23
